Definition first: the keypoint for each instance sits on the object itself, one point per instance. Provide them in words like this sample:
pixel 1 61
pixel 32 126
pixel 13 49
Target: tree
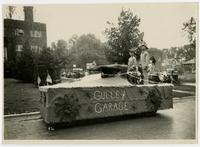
pixel 190 28
pixel 122 37
pixel 45 60
pixel 52 61
pixel 25 65
pixel 72 41
pixel 85 49
pixel 10 12
pixel 186 52
pixel 10 67
pixel 53 45
pixel 62 44
pixel 172 52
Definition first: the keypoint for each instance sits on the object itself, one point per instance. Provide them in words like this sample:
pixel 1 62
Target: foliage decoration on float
pixel 153 99
pixel 67 107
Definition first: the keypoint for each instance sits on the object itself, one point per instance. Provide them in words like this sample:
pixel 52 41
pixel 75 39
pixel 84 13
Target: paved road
pixel 177 123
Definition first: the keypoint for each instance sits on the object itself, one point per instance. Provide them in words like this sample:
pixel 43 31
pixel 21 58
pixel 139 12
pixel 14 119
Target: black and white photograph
pixel 107 72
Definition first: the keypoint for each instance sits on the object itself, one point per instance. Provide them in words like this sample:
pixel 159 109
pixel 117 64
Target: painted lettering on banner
pixel 115 101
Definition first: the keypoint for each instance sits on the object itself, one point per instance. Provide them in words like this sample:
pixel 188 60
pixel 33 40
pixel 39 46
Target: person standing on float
pixel 132 60
pixel 144 60
pixel 134 66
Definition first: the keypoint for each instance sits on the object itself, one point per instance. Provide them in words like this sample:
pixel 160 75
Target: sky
pixel 161 23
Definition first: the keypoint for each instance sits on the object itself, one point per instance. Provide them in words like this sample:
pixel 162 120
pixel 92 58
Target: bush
pixel 50 62
pixel 10 69
pixel 25 66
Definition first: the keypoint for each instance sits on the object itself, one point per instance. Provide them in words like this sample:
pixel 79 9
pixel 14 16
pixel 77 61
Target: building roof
pixel 13 23
pixel 192 61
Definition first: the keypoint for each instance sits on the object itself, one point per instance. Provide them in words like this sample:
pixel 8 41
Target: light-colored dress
pixel 151 68
pixel 144 58
pixel 132 62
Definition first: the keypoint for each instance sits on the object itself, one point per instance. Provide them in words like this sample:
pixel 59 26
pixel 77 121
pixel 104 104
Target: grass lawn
pixel 187 78
pixel 185 88
pixel 20 97
pixel 178 94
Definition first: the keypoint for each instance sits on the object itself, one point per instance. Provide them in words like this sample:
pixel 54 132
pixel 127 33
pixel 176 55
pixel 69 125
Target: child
pixel 153 76
pixel 151 66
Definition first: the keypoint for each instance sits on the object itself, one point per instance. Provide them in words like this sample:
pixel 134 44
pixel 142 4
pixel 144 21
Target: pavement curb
pixel 21 114
pixel 181 91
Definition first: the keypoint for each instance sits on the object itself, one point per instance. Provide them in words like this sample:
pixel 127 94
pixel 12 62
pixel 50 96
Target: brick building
pixel 19 35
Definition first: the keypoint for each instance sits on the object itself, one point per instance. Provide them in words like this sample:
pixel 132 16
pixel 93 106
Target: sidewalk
pixel 189 84
pixel 187 92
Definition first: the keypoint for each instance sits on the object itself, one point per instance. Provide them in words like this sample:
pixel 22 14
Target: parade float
pixel 102 95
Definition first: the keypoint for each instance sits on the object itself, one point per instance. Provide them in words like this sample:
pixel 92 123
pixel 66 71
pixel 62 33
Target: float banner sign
pixel 69 104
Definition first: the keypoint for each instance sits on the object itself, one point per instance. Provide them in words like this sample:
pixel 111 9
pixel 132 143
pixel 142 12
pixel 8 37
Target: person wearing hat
pixel 144 57
pixel 144 60
pixel 134 70
pixel 132 60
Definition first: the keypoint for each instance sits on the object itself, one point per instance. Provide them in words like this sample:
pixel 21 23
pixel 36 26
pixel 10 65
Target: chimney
pixel 28 13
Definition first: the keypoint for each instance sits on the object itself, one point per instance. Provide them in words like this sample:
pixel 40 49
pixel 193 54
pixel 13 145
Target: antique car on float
pixel 174 75
pixel 102 95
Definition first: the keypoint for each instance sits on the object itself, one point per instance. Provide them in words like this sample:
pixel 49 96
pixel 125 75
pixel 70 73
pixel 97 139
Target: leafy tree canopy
pixel 25 65
pixel 122 37
pixel 190 28
pixel 86 49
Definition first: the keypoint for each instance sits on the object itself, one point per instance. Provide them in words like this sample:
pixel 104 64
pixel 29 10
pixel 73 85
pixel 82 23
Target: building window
pixel 35 48
pixel 19 48
pixel 35 33
pixel 19 32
